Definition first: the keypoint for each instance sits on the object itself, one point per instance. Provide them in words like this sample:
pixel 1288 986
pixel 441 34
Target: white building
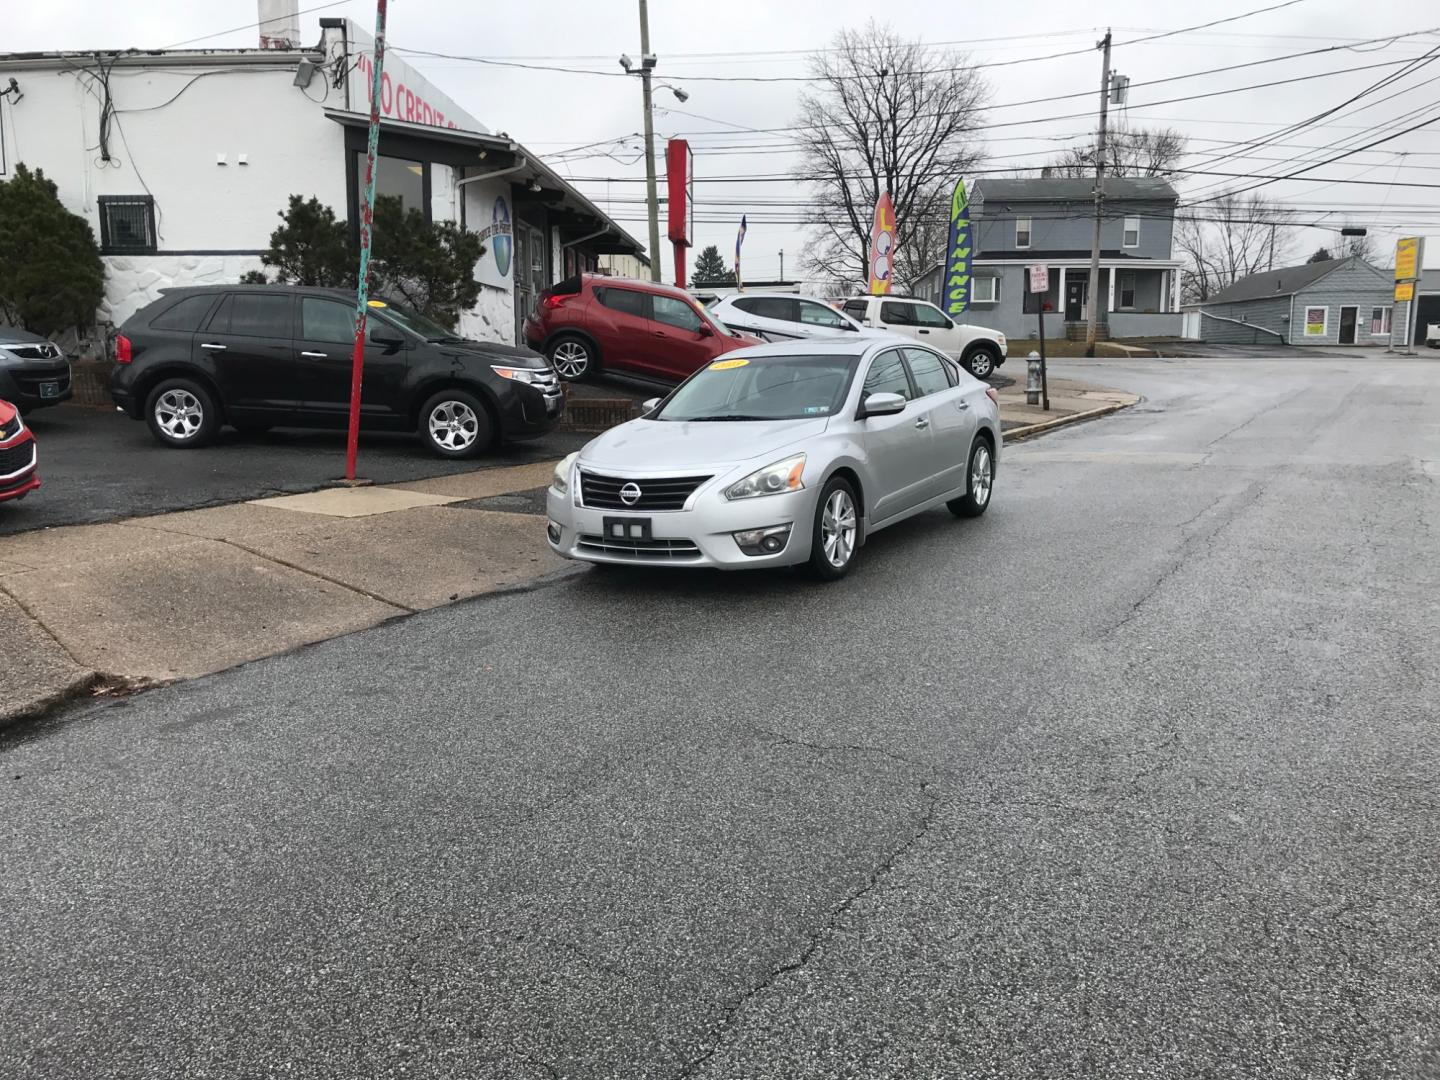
pixel 182 160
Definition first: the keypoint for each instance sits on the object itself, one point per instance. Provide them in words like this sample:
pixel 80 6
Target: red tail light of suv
pixel 593 322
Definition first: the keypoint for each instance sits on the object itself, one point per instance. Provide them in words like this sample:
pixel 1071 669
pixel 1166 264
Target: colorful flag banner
pixel 739 239
pixel 957 262
pixel 882 246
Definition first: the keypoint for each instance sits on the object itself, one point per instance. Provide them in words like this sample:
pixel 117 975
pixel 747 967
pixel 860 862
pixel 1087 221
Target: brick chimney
pixel 279 24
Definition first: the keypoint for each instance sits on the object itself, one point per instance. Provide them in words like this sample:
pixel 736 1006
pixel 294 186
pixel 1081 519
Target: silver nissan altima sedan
pixel 781 454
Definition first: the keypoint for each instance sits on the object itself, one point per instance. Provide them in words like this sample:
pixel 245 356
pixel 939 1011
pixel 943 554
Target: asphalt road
pixel 97 465
pixel 1134 777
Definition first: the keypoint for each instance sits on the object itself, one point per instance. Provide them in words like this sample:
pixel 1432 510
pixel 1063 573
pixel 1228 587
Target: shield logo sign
pixel 501 242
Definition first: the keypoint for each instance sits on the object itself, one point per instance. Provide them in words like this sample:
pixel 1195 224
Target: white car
pixel 978 348
pixel 783 317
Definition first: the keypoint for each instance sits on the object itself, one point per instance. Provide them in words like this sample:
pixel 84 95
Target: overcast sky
pixel 551 112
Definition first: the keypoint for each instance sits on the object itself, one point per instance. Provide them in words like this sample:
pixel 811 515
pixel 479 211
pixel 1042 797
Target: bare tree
pixel 1361 247
pixel 1226 240
pixel 1143 152
pixel 887 115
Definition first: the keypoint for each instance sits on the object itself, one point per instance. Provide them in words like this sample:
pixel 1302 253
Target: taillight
pixel 123 353
pixel 992 395
pixel 553 301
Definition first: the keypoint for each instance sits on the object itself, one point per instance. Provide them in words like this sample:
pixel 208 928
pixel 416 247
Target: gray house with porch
pixel 1051 220
pixel 1334 302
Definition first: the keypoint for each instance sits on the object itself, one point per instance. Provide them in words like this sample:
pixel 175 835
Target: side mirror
pixel 388 338
pixel 851 327
pixel 882 405
pixel 706 330
pixel 649 406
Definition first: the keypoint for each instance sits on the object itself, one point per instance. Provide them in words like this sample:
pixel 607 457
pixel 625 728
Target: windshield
pixel 763 388
pixel 412 320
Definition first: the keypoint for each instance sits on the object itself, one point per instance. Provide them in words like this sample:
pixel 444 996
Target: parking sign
pixel 1039 278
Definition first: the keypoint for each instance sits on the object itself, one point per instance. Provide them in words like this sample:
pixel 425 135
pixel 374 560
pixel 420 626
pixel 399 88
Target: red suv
pixel 593 322
pixel 17 455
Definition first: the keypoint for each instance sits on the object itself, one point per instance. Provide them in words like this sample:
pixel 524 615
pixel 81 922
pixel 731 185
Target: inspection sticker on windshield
pixel 378 303
pixel 726 365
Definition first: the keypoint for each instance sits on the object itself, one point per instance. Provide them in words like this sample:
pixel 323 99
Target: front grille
pixel 15 459
pixel 659 493
pixel 643 550
pixel 547 382
pixel 46 351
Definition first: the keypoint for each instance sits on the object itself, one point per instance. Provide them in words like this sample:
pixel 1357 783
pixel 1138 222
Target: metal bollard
pixel 1032 380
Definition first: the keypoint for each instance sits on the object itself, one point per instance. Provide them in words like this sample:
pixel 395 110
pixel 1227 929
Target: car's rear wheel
pixel 982 361
pixel 573 357
pixel 979 482
pixel 181 413
pixel 836 536
pixel 454 424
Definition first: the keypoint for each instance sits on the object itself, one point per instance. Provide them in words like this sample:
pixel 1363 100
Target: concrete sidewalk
pixel 174 596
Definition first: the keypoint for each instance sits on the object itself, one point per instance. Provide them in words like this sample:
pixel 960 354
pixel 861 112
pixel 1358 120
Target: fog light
pixel 766 541
pixel 553 532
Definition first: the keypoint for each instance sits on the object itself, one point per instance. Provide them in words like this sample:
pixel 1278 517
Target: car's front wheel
pixel 836 536
pixel 982 361
pixel 454 424
pixel 979 482
pixel 573 357
pixel 181 413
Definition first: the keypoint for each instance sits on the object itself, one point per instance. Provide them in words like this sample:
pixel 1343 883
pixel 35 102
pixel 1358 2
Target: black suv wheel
pixel 182 413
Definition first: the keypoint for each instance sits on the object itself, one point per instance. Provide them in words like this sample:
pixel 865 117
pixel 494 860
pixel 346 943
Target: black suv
pixel 256 356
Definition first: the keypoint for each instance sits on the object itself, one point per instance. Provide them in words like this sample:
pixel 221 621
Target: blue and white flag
pixel 739 239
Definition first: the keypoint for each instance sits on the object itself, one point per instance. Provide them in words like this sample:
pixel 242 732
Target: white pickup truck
pixel 980 349
pixel 1432 335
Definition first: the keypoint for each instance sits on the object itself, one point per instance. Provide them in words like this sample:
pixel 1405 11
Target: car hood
pixel 493 352
pixel 666 446
pixel 13 335
pixel 7 412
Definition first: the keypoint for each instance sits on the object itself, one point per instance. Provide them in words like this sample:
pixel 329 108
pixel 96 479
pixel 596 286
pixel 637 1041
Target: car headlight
pixel 561 480
pixel 774 479
pixel 528 376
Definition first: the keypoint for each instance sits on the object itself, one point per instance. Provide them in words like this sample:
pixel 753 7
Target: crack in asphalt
pixel 827 928
pixel 1256 416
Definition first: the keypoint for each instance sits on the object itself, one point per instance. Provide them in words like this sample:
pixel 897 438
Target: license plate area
pixel 627 528
pixel 49 389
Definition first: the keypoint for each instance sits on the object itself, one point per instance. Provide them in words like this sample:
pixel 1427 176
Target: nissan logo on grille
pixel 630 494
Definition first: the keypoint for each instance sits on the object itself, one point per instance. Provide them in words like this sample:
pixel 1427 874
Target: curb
pixel 1031 430
pixel 39 708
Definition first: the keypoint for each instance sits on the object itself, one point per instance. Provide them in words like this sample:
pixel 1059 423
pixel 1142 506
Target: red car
pixel 17 455
pixel 593 322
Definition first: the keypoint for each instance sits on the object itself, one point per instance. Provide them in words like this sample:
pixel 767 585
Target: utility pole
pixel 1093 285
pixel 782 264
pixel 647 64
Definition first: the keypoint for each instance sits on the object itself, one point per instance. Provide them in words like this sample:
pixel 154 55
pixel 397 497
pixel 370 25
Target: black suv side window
pixel 630 301
pixel 253 315
pixel 186 315
pixel 326 320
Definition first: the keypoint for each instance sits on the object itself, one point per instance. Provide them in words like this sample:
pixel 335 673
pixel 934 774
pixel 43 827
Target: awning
pixel 470 150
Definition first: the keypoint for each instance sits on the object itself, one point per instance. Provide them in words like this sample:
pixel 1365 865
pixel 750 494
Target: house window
pixel 1132 232
pixel 1022 232
pixel 127 224
pixel 1317 321
pixel 1127 288
pixel 1379 321
pixel 987 291
pixel 398 176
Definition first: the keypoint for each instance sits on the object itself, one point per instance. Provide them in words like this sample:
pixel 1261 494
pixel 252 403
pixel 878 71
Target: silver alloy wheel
pixel 981 475
pixel 982 364
pixel 179 414
pixel 454 425
pixel 837 529
pixel 571 359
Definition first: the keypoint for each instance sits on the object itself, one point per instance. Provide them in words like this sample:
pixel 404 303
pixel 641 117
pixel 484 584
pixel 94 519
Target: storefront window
pixel 397 176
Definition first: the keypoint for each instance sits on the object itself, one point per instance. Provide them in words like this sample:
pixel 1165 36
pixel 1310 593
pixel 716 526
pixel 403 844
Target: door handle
pixel 923 423
pixel 212 345
pixel 315 355
pixel 924 331
pixel 962 405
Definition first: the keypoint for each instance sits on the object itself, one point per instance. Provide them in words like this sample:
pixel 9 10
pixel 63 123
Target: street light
pixel 648 61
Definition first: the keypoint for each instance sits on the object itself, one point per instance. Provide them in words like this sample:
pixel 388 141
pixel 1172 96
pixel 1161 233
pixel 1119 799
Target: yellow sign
pixel 1404 290
pixel 377 303
pixel 1407 259
pixel 726 365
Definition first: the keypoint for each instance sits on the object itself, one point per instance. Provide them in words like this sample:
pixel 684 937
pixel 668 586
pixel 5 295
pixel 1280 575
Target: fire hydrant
pixel 1032 380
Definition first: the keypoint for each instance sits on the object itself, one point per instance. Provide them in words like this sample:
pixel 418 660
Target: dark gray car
pixel 34 372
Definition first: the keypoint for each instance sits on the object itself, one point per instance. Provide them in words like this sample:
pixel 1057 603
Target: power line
pixel 253 25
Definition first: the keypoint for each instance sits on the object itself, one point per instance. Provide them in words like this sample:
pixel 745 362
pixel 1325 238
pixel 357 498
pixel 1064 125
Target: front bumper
pixel 527 412
pixel 35 384
pixel 702 535
pixel 19 473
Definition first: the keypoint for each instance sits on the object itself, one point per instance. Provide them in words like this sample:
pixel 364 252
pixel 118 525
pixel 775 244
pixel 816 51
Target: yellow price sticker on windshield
pixel 378 303
pixel 726 365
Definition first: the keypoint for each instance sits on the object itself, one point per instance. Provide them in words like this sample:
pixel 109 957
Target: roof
pixel 1040 254
pixel 1271 283
pixel 1072 189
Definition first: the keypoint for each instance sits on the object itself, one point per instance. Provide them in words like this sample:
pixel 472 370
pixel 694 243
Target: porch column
pixel 1060 302
pixel 1110 303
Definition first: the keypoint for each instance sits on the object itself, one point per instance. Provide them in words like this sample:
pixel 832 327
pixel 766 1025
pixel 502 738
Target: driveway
pixel 99 465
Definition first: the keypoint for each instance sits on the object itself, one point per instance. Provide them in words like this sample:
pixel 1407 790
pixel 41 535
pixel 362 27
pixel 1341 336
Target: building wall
pixel 1354 285
pixel 1069 226
pixel 624 266
pixel 1246 323
pixel 1009 317
pixel 488 210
